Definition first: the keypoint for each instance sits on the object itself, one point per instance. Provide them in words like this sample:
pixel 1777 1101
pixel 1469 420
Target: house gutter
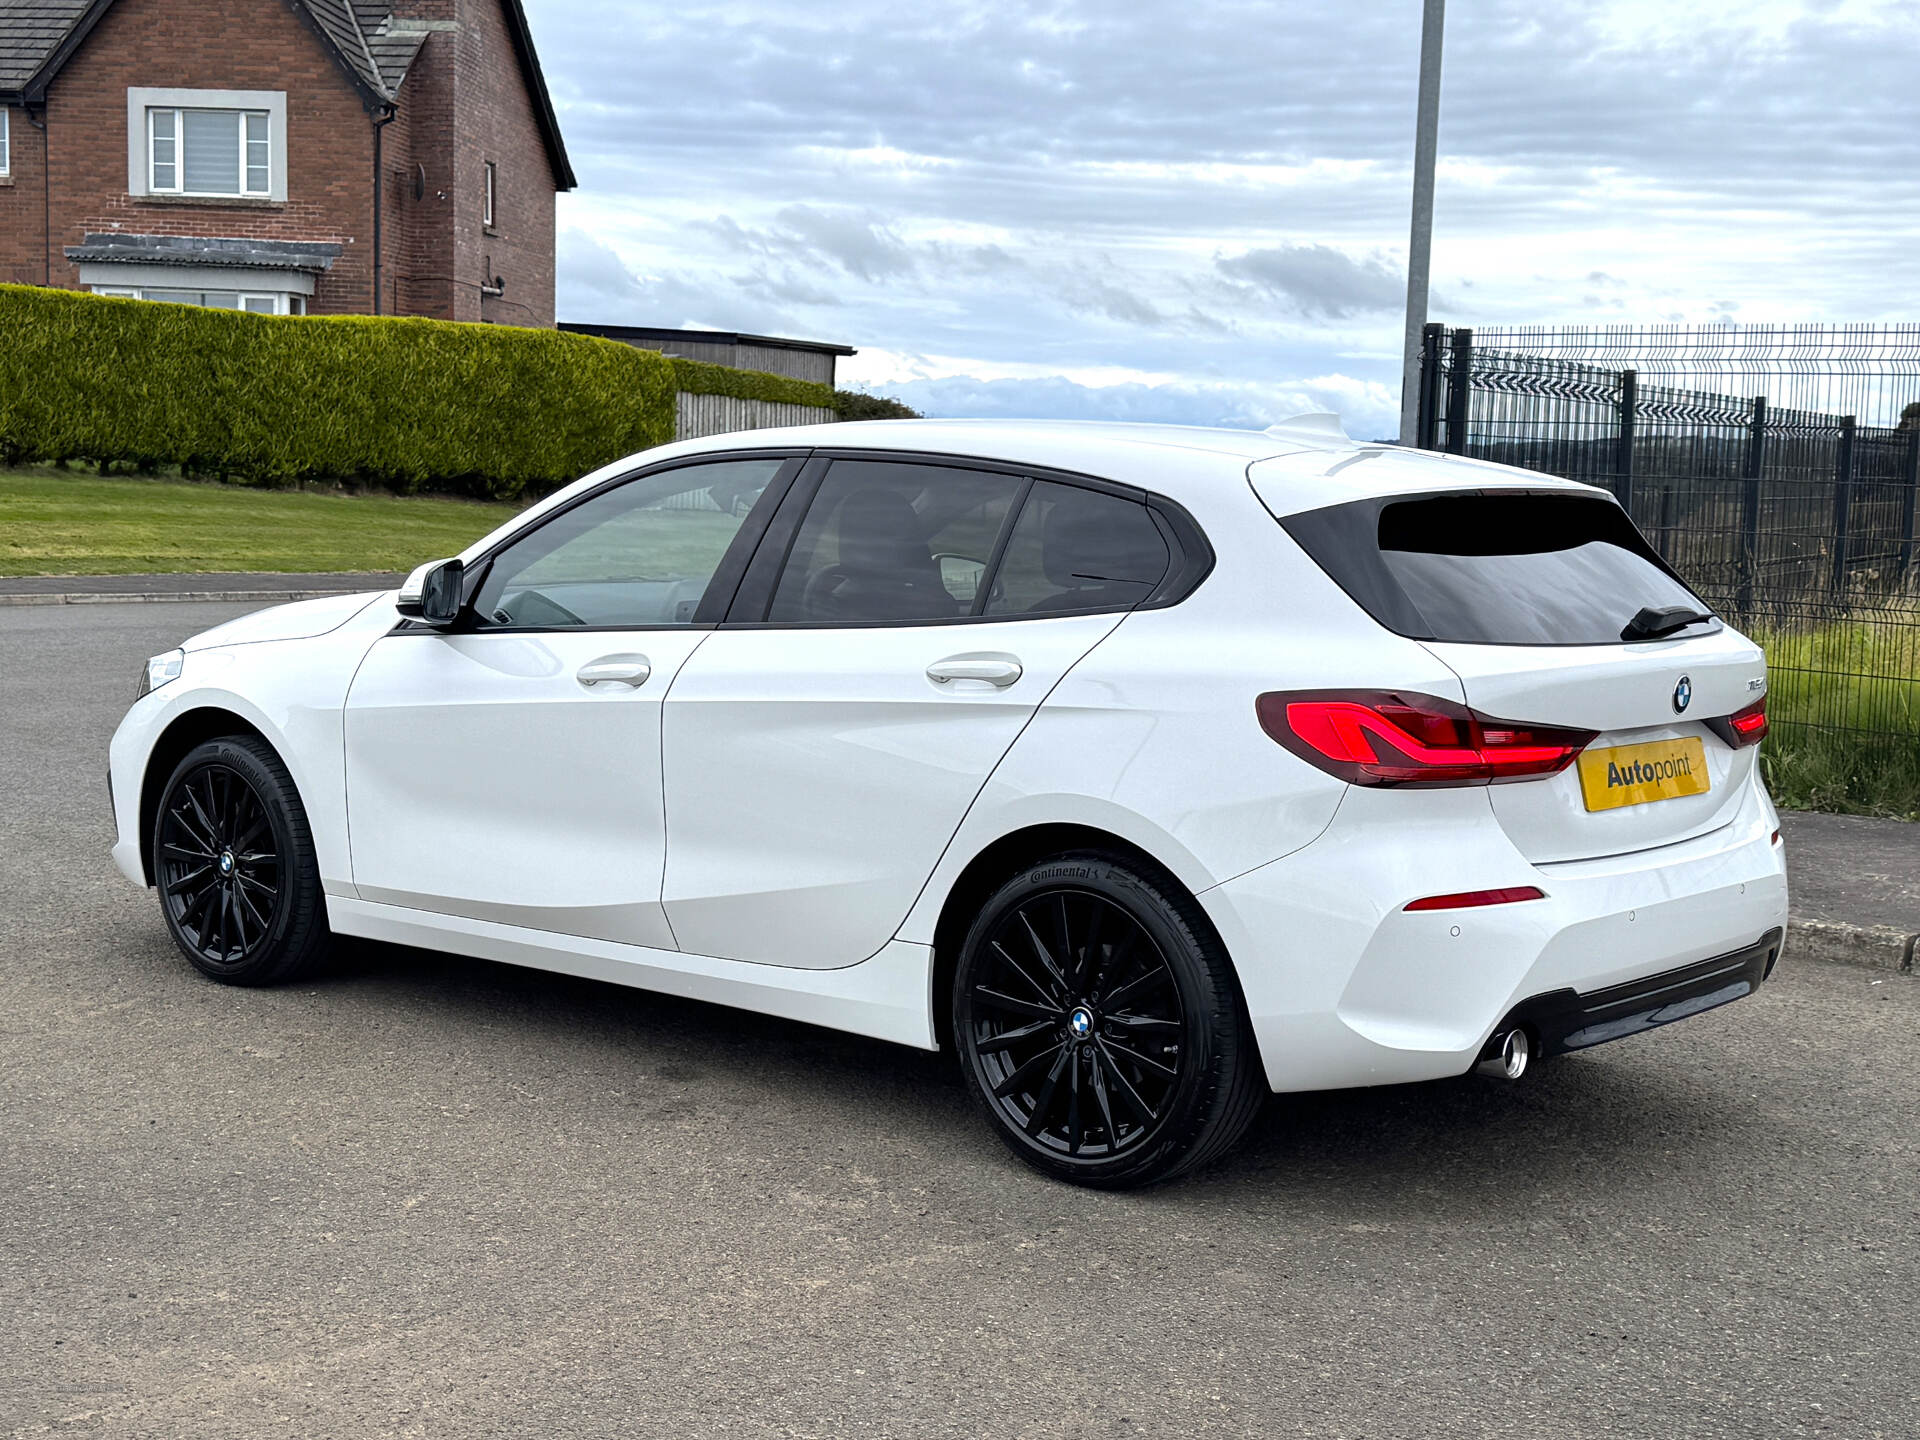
pixel 46 188
pixel 382 118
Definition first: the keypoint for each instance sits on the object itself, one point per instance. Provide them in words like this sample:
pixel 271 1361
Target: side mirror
pixel 960 576
pixel 432 593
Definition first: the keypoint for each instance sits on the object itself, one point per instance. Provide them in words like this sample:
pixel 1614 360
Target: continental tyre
pixel 234 864
pixel 1099 1025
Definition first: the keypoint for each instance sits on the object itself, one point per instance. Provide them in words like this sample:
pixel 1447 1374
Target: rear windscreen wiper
pixel 1651 623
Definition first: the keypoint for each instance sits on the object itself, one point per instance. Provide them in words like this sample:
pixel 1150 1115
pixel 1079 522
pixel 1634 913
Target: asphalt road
pixel 431 1196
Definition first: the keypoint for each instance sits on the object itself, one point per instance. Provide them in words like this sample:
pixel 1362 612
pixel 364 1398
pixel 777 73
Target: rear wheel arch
pixel 183 733
pixel 1006 857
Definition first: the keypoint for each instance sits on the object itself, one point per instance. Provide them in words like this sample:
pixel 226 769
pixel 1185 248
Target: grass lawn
pixel 68 523
pixel 1844 702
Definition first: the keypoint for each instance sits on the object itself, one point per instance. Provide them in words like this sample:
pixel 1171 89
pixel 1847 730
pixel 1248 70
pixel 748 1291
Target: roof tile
pixel 29 29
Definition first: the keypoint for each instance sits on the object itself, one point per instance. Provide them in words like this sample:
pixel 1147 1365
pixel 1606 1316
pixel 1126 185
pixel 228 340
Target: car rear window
pixel 1515 568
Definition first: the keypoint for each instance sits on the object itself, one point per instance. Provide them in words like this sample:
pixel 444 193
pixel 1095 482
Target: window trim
pixel 488 187
pixel 749 571
pixel 6 142
pixel 1190 557
pixel 983 597
pixel 178 139
pixel 143 100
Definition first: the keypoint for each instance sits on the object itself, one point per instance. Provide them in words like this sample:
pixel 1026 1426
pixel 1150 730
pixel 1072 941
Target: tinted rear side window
pixel 1074 549
pixel 1493 569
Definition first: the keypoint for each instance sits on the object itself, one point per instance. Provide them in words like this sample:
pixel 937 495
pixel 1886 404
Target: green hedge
pixel 486 410
pixel 696 377
pixel 858 405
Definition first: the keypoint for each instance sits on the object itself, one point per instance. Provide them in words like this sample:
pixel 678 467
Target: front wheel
pixel 234 864
pixel 1099 1025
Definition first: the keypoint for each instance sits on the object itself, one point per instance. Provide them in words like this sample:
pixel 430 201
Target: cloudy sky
pixel 1197 211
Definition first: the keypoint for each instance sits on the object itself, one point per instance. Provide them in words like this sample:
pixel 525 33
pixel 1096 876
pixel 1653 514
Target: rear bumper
pixel 1346 987
pixel 1568 1020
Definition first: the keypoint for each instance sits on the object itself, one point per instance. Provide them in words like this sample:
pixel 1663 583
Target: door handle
pixel 615 670
pixel 998 672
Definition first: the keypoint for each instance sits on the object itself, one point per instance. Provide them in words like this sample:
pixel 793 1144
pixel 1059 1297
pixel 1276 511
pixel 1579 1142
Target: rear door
pixel 1532 599
pixel 898 629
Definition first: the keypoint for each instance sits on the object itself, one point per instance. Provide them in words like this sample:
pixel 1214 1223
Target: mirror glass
pixel 960 575
pixel 440 593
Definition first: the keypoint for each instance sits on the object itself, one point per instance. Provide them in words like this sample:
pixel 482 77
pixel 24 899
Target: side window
pixel 1075 549
pixel 639 554
pixel 885 540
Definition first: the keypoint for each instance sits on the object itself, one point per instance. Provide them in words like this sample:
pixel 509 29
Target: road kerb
pixel 1875 947
pixel 197 597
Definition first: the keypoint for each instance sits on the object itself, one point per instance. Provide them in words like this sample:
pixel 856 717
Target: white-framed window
pixel 6 141
pixel 217 144
pixel 209 152
pixel 486 206
pixel 258 302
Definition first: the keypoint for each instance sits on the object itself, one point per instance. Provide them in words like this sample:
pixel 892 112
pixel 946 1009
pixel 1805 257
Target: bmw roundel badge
pixel 1682 695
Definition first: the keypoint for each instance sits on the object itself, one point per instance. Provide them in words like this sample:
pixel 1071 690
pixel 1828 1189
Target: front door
pixel 819 760
pixel 509 769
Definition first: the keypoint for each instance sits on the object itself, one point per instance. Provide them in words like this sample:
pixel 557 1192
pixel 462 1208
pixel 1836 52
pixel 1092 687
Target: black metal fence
pixel 1871 372
pixel 1796 524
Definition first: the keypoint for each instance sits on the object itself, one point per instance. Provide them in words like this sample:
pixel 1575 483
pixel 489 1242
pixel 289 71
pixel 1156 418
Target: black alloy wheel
pixel 234 864
pixel 1100 1027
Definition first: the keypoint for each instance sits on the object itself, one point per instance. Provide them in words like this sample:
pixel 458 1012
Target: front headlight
pixel 160 670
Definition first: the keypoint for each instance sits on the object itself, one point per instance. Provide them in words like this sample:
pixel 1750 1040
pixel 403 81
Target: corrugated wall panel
pixel 779 360
pixel 698 415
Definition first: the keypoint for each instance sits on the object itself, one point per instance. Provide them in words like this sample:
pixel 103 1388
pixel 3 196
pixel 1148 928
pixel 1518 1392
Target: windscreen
pixel 1516 568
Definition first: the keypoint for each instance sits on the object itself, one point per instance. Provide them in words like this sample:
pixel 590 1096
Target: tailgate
pixel 1553 610
pixel 1631 695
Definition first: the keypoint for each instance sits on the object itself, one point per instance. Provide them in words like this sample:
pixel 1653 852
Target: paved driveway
pixel 431 1196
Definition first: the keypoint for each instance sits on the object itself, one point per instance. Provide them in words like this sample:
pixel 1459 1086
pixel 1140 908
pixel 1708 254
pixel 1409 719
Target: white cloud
pixel 1369 410
pixel 1208 205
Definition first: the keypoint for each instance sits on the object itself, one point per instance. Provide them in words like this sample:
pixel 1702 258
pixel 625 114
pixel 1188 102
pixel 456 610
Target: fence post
pixel 1623 449
pixel 1750 473
pixel 1842 502
pixel 1906 500
pixel 1426 432
pixel 1459 391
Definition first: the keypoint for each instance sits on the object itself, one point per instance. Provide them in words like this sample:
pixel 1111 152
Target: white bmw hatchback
pixel 1150 769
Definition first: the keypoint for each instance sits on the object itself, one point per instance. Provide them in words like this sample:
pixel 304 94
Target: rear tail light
pixel 1470 899
pixel 1373 737
pixel 1743 727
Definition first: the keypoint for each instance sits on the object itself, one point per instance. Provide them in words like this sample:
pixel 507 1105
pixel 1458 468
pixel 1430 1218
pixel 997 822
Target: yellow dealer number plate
pixel 1637 774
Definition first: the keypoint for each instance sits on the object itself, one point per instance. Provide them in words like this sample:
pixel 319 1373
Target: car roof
pixel 1299 464
pixel 1096 447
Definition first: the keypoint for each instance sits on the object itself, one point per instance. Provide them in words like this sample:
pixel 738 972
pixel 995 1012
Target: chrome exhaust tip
pixel 1512 1052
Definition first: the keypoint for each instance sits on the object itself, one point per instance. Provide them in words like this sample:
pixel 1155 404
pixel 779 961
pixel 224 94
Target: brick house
pixel 285 156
